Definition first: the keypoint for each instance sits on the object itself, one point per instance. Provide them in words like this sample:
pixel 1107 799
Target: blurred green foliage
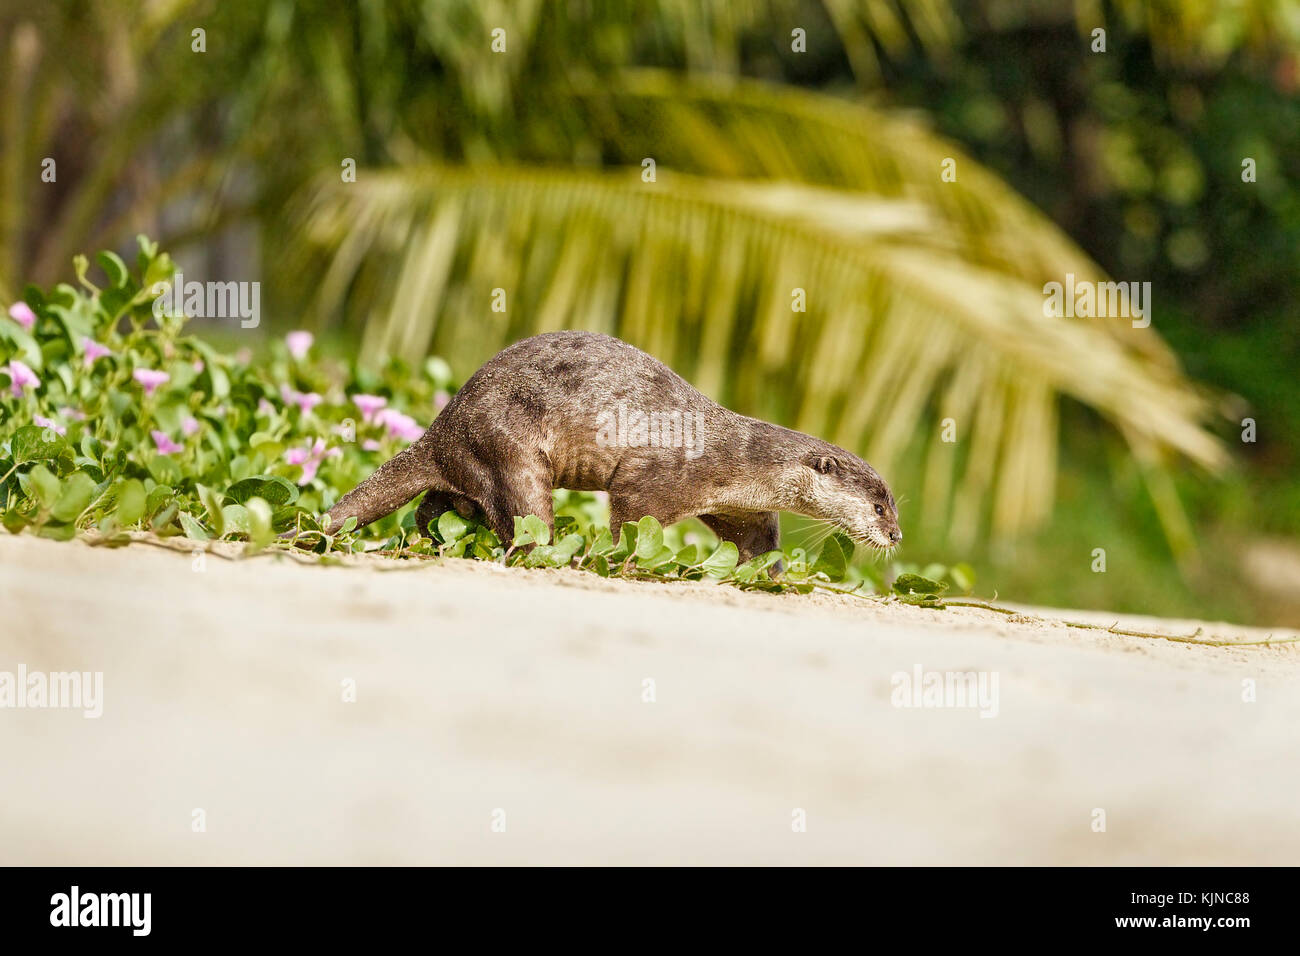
pixel 1138 156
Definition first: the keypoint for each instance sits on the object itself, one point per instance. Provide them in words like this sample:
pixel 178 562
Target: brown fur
pixel 529 421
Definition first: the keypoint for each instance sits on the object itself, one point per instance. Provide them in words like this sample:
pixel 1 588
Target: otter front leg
pixel 627 508
pixel 752 534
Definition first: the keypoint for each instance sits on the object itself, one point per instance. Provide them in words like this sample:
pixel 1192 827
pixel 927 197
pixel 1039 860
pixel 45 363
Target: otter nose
pixel 895 536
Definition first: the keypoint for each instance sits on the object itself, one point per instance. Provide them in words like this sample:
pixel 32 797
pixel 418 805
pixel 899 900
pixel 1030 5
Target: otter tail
pixel 393 484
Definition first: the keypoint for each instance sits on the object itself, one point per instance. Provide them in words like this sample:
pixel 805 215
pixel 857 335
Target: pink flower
pixel 22 377
pixel 305 401
pixel 72 414
pixel 189 425
pixel 22 313
pixel 199 366
pixel 93 350
pixel 368 405
pixel 264 407
pixel 299 342
pixel 440 400
pixel 164 443
pixel 310 458
pixel 47 423
pixel 370 445
pixel 399 425
pixel 150 379
pixel 244 356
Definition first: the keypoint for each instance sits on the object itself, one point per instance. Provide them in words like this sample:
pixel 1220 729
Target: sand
pixel 500 717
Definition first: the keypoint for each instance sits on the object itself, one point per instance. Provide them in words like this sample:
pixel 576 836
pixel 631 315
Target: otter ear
pixel 824 464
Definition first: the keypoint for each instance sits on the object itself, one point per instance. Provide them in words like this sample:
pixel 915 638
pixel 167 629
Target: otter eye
pixel 880 511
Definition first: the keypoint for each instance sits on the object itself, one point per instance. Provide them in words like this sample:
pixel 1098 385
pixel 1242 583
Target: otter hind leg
pixel 520 495
pixel 752 534
pixel 436 503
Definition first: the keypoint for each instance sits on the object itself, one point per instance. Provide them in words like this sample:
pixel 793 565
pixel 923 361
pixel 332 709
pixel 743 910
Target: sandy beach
pixel 501 716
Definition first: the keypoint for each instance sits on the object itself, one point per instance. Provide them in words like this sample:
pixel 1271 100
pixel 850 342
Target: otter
pixel 589 412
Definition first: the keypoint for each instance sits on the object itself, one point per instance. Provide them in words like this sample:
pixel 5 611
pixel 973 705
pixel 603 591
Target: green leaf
pixel 92 448
pixel 31 351
pixel 834 558
pixel 158 496
pixel 259 521
pixel 162 520
pixel 723 561
pixel 916 584
pixel 537 529
pixel 78 489
pixel 547 556
pixel 114 268
pixel 165 470
pixel 273 489
pixel 626 542
pixel 922 600
pixel 212 504
pixel 963 575
pixel 571 544
pixel 241 467
pixel 235 519
pixel 531 530
pixel 753 569
pixel 130 502
pixel 44 485
pixel 665 555
pixel 220 380
pixel 934 571
pixel 32 442
pixel 797 565
pixel 452 527
pixel 58 532
pixel 486 544
pixel 603 543
pixel 192 528
pixel 649 538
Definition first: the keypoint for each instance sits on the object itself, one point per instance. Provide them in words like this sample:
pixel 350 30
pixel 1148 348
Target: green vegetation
pixel 117 421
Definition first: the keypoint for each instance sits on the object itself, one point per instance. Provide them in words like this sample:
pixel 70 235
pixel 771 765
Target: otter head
pixel 840 487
